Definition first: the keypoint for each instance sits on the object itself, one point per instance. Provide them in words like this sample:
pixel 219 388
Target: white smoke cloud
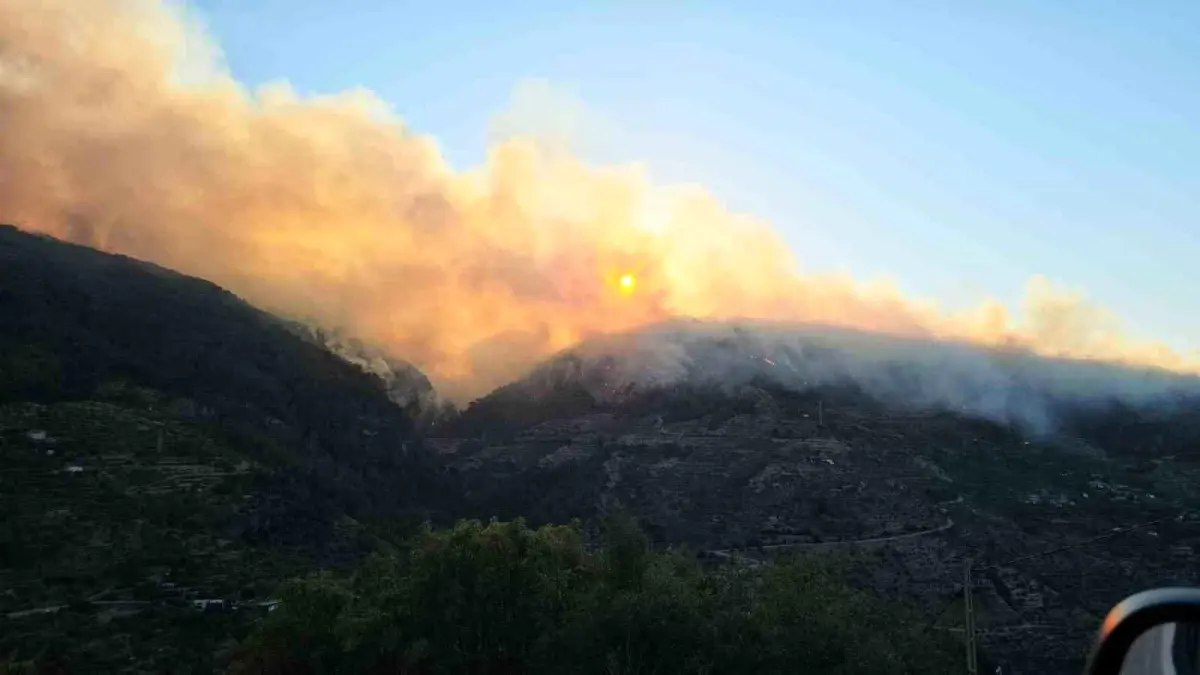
pixel 121 128
pixel 1011 386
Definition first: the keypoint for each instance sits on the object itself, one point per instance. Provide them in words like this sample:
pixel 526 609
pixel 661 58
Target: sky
pixel 956 148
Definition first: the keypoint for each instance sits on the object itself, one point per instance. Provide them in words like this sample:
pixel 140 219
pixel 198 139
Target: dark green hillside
pixel 76 320
pixel 163 442
pixel 118 518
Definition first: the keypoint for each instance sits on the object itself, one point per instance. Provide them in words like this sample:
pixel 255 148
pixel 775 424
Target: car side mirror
pixel 1154 632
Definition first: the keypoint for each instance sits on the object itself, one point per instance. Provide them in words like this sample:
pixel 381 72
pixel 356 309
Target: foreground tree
pixel 504 598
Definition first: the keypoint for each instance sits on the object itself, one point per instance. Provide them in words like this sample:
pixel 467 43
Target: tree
pixel 304 638
pixel 505 598
pixel 626 550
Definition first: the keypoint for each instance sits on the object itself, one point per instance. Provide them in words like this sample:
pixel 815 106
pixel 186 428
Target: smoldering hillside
pixel 1014 386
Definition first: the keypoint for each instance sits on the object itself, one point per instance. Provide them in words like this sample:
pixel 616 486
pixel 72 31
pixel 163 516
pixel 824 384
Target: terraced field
pixel 115 512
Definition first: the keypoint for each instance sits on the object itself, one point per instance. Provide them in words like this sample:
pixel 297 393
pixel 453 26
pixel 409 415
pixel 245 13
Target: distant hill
pixel 674 367
pixel 1069 484
pixel 162 441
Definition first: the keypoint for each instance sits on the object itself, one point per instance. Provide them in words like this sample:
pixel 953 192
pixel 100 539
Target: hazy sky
pixel 957 147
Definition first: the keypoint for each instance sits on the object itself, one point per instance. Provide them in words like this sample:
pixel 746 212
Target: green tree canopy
pixel 504 598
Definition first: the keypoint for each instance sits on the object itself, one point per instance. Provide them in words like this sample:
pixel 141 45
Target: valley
pixel 171 456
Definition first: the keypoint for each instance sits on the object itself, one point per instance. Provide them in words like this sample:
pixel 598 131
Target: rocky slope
pixel 1058 523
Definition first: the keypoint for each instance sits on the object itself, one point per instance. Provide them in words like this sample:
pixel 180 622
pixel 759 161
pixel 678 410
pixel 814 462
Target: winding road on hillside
pixel 812 546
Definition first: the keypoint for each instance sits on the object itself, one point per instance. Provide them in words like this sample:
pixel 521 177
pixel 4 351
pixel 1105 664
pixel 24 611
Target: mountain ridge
pixel 177 445
pixel 162 443
pixel 1038 395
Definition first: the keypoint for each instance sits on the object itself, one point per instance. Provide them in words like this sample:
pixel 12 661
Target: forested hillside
pixel 163 444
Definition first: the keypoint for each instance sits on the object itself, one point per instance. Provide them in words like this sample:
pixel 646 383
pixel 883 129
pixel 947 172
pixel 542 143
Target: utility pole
pixel 969 619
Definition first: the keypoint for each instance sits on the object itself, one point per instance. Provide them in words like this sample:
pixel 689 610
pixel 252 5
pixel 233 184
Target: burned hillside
pixel 1059 524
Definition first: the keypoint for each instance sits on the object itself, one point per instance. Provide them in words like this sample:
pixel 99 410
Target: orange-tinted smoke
pixel 118 129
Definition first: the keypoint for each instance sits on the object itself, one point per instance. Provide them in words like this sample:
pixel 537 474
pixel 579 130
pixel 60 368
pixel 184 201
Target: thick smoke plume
pixel 1011 386
pixel 120 129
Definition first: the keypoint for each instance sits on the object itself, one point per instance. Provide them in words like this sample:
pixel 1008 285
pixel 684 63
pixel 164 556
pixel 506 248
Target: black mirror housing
pixel 1135 616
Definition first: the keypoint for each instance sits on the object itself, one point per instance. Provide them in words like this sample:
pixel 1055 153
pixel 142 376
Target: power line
pixel 945 606
pixel 969 630
pixel 1107 535
pixel 969 620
